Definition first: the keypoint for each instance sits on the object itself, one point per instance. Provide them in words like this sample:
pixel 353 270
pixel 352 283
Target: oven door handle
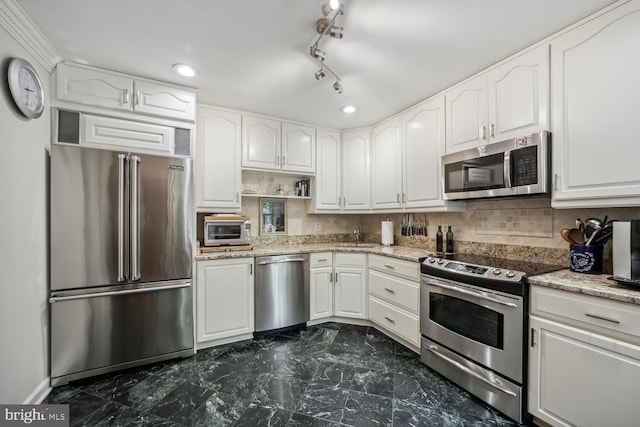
pixel 472 293
pixel 434 349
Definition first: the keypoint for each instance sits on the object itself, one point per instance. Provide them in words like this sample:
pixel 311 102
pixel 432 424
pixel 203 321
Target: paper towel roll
pixel 387 233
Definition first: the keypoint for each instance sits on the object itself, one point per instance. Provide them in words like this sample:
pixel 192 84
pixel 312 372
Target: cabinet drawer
pixel 396 320
pixel 350 259
pixel 597 314
pixel 395 290
pixel 321 259
pixel 398 267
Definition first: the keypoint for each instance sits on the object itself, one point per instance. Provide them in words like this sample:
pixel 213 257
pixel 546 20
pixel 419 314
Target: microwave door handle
pixel 507 169
pixel 135 218
pixel 121 207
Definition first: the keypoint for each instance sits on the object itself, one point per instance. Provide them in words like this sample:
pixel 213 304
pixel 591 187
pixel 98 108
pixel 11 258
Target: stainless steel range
pixel 473 323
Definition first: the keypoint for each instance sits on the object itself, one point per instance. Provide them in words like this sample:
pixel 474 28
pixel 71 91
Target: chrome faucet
pixel 356 233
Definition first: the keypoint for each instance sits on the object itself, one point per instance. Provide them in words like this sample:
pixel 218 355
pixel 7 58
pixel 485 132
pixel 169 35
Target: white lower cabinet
pixel 350 298
pixel 584 360
pixel 224 300
pixel 321 286
pixel 394 295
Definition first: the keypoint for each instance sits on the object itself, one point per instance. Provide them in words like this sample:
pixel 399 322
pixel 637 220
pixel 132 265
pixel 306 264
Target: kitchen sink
pixel 356 245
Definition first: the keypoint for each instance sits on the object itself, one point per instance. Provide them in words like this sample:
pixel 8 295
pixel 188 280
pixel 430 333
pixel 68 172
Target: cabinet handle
pixel 250 269
pixel 404 198
pixel 555 183
pixel 136 99
pixel 595 316
pixel 390 319
pixel 284 158
pixel 398 197
pixel 276 160
pixel 533 337
pixel 483 132
pixel 237 197
pixel 491 130
pixel 323 260
pixel 125 96
pixel 391 291
pixel 391 267
pixel 336 278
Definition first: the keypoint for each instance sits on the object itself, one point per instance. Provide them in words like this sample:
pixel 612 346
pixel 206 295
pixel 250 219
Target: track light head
pixel 337 87
pixel 330 7
pixel 320 74
pixel 336 32
pixel 317 53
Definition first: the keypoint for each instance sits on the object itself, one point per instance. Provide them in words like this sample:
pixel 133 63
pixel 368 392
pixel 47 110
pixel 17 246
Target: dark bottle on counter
pixel 449 240
pixel 439 240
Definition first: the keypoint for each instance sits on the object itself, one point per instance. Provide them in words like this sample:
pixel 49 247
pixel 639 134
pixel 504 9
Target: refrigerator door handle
pixel 117 293
pixel 134 163
pixel 121 183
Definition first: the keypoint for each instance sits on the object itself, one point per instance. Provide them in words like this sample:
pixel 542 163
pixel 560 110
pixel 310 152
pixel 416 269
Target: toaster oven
pixel 220 230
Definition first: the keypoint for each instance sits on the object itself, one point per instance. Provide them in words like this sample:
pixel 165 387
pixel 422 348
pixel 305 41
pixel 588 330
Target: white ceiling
pixel 253 55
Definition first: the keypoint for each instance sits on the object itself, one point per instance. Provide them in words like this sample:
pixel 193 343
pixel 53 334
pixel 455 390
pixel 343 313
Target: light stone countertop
pixel 588 284
pixel 400 252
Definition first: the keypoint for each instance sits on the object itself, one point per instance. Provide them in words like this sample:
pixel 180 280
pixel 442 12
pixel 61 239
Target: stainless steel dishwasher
pixel 281 292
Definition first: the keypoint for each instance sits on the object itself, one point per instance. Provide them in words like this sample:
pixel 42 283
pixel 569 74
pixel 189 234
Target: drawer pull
pixel 390 266
pixel 323 260
pixel 391 291
pixel 390 319
pixel 602 318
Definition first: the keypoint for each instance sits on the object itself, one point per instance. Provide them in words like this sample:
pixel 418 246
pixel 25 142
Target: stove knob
pixel 510 274
pixel 497 271
pixel 431 260
pixel 440 261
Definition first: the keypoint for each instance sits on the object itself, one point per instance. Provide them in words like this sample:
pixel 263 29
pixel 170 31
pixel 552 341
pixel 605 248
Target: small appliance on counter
pixel 626 252
pixel 226 230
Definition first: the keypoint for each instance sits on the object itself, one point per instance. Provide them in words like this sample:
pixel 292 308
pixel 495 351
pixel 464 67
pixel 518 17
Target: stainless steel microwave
pixel 513 167
pixel 226 230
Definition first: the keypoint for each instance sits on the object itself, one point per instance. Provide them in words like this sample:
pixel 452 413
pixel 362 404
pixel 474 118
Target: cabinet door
pixel 519 96
pixel 573 371
pixel 386 165
pixel 596 105
pixel 160 100
pixel 90 87
pixel 218 175
pixel 467 115
pixel 224 304
pixel 260 143
pixel 350 293
pixel 327 182
pixel 298 148
pixel 424 144
pixel 355 170
pixel 321 297
pixel 119 134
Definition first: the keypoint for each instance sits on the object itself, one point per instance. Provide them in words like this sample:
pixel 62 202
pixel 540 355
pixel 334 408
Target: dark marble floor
pixel 326 375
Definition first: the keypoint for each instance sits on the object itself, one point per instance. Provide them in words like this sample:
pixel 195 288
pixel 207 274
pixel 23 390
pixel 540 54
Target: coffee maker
pixel 626 251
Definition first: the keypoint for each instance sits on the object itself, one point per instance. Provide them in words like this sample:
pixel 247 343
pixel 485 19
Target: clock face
pixel 26 88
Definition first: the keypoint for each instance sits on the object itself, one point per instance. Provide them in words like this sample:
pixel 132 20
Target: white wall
pixel 23 241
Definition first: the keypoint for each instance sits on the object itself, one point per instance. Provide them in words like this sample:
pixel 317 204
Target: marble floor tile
pixel 327 375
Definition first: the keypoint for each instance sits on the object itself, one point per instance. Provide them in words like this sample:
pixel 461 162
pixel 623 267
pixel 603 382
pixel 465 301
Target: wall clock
pixel 26 88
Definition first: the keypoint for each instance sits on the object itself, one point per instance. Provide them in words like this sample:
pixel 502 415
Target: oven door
pixel 483 325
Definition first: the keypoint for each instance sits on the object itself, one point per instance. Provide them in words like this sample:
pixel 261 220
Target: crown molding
pixel 20 26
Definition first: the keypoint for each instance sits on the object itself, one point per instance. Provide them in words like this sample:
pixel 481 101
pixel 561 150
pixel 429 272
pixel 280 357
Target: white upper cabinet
pixel 269 144
pixel 424 144
pixel 386 165
pixel 218 174
pixel 596 106
pixel 355 170
pixel 298 148
pixel 117 91
pixel 508 101
pixel 328 174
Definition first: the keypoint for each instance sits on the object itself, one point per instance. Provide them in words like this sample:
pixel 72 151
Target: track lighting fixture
pixel 325 27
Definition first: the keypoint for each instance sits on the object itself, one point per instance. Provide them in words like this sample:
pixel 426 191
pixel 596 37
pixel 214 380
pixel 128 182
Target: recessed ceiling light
pixel 185 70
pixel 348 109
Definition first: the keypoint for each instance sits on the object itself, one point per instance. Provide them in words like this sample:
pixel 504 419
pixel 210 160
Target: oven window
pixel 223 231
pixel 483 173
pixel 467 319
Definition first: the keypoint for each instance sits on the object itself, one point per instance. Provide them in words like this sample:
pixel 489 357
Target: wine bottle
pixel 449 240
pixel 439 239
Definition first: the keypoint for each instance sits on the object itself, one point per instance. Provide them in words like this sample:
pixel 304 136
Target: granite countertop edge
pixel 597 285
pixel 400 252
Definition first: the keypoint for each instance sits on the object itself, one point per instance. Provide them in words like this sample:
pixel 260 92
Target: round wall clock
pixel 26 88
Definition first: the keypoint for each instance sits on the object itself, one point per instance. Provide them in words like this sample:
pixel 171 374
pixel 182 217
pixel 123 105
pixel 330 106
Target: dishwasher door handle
pixel 281 261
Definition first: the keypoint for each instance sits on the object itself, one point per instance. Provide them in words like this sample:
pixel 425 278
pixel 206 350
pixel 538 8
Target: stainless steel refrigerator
pixel 121 241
